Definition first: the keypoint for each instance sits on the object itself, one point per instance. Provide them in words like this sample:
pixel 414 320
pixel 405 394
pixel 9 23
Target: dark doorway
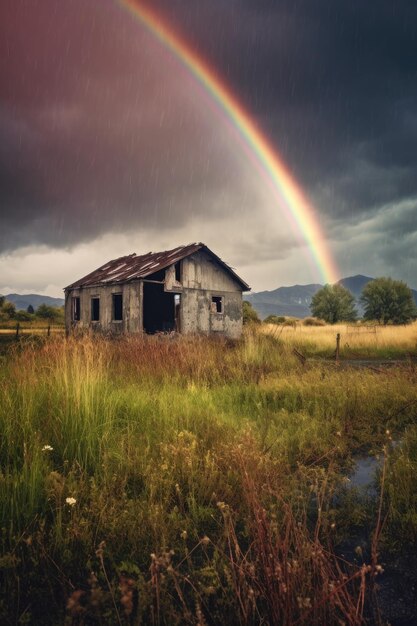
pixel 160 309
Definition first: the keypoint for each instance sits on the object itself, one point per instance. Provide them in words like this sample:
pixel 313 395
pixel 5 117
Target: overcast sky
pixel 108 146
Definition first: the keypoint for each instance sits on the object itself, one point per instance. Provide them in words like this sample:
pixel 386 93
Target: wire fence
pixel 18 330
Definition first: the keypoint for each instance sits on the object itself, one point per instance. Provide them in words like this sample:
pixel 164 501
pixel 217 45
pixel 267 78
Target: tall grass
pixel 181 480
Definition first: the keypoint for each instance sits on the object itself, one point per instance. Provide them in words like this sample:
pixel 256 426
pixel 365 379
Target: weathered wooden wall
pixel 132 308
pixel 203 278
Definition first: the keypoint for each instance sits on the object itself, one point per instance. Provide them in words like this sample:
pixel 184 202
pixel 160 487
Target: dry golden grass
pixel 354 338
pixel 31 330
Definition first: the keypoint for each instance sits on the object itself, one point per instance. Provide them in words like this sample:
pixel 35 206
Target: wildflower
pixel 205 540
pixel 126 587
pixel 74 606
pixel 333 525
pixel 339 434
pixel 70 501
pixel 47 448
pixel 303 602
pixel 184 534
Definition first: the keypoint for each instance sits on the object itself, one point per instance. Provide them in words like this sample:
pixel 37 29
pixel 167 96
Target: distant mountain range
pixel 290 301
pixel 295 301
pixel 22 302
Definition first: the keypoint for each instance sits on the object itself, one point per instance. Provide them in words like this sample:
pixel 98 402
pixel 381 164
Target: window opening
pixel 178 272
pixel 217 304
pixel 117 307
pixel 95 309
pixel 76 309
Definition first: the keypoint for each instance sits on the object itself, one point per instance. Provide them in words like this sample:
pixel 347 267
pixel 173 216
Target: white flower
pixel 70 501
pixel 47 448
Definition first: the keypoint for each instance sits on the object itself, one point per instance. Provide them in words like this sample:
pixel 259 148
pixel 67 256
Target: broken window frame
pixel 95 312
pixel 177 314
pixel 76 308
pixel 217 305
pixel 118 308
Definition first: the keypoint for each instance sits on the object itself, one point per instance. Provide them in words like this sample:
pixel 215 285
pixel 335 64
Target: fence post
pixel 49 330
pixel 300 356
pixel 337 347
pixel 17 330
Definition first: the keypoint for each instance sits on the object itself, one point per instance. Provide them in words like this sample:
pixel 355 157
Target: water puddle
pixel 364 472
pixel 396 587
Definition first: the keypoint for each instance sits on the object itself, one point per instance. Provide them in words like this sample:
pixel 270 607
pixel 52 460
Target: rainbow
pixel 286 191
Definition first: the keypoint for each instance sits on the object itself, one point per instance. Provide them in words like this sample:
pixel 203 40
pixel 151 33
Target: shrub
pixel 313 321
pixel 250 315
pixel 23 316
pixel 275 319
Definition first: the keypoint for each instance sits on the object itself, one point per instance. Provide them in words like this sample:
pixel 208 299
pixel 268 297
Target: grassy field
pixel 356 340
pixel 184 480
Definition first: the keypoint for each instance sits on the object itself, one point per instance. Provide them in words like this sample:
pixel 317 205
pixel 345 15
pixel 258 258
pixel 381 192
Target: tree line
pixel 9 312
pixel 384 300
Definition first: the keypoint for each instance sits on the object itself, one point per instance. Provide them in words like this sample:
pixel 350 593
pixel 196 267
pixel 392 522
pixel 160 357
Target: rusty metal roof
pixel 133 267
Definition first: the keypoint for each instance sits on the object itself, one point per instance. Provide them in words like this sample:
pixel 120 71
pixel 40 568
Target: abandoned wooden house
pixel 188 290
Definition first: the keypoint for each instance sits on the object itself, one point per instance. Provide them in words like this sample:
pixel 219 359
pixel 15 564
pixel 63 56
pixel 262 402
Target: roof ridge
pixel 140 266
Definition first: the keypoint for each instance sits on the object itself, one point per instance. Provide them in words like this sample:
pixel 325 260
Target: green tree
pixel 249 314
pixel 8 310
pixel 23 316
pixel 30 309
pixel 334 303
pixel 388 301
pixel 47 312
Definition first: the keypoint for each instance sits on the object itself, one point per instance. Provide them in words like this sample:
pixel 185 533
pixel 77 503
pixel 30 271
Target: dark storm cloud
pixel 385 244
pixel 96 136
pixel 334 83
